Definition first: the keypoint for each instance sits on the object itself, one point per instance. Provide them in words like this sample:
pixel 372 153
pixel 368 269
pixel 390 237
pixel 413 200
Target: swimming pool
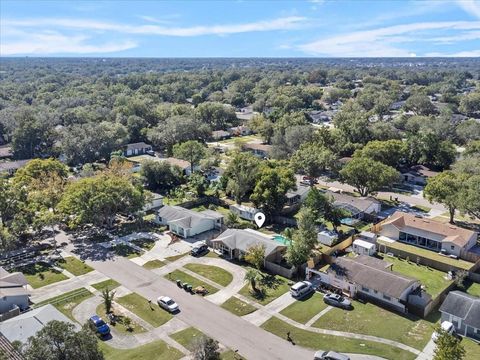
pixel 281 239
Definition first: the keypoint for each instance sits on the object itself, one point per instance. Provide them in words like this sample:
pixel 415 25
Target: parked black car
pixel 199 250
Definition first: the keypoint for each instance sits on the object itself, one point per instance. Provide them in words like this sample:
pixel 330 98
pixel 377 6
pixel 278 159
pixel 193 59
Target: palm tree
pixel 253 275
pixel 108 296
pixel 232 220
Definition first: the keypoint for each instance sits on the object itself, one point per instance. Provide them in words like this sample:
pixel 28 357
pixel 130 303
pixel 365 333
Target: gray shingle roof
pixel 186 218
pixel 464 306
pixel 139 146
pixel 243 239
pixel 344 200
pixel 373 274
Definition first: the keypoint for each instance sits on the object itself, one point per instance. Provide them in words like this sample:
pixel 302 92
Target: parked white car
pixel 446 326
pixel 168 304
pixel 301 288
pixel 329 355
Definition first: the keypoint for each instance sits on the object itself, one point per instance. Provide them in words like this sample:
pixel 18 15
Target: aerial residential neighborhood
pixel 239 180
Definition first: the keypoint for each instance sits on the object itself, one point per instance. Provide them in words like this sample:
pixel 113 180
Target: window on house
pixel 387 297
pixel 364 289
pixel 375 291
pixel 452 247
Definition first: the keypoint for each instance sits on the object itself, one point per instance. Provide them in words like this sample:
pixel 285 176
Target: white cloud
pixel 54 43
pixel 383 41
pixel 283 23
pixel 470 6
pixel 467 53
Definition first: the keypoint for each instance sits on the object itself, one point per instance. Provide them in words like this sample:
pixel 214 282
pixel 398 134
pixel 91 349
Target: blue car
pixel 100 325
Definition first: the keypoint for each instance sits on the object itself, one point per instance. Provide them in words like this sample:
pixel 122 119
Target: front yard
pixel 238 307
pixel 120 325
pixel 472 349
pixel 370 319
pixel 158 350
pixel 153 264
pixel 65 303
pixel 214 273
pixel 110 284
pixel 187 337
pixel 186 278
pixel 39 275
pixel 151 313
pixel 270 288
pixel 315 341
pixel 74 266
pixel 304 309
pixel 433 280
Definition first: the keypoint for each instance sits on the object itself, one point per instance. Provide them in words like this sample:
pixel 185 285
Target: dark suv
pixel 199 250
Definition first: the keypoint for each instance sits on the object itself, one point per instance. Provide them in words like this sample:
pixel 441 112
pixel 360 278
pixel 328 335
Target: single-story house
pixel 155 202
pixel 427 233
pixel 327 237
pixel 369 278
pixel 187 223
pixel 220 135
pixel 243 211
pixel 362 247
pixel 359 207
pixel 235 243
pixel 463 311
pixel 182 164
pixel 241 130
pixel 5 152
pixel 259 150
pixel 135 149
pixel 297 196
pixel 11 166
pixel 418 175
pixel 246 113
pixel 21 327
pixel 13 291
pixel 320 116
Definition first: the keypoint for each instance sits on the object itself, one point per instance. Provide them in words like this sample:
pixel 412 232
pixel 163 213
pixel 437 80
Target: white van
pixel 301 289
pixel 446 326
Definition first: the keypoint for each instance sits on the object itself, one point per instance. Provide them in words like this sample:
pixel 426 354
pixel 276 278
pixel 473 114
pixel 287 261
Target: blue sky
pixel 317 28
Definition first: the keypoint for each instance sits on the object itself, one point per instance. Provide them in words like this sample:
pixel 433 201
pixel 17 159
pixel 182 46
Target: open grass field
pixel 75 266
pixel 370 319
pixel 214 273
pixel 153 264
pixel 433 280
pixel 304 309
pixel 186 278
pixel 238 307
pixel 110 284
pixel 276 287
pixel 151 313
pixel 39 275
pixel 66 302
pixel 157 350
pixel 315 341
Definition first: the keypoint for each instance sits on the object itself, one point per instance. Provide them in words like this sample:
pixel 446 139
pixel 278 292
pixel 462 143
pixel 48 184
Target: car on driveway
pixel 337 300
pixel 301 288
pixel 446 326
pixel 199 250
pixel 100 326
pixel 329 355
pixel 168 304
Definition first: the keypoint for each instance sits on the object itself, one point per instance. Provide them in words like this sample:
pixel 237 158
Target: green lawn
pixel 75 266
pixel 153 264
pixel 183 277
pixel 110 284
pixel 176 257
pixel 231 355
pixel 119 325
pixel 66 302
pixel 187 336
pixel 39 275
pixel 473 289
pixel 305 309
pixel 316 341
pixel 370 319
pixel 126 251
pixel 157 350
pixel 214 273
pixel 276 287
pixel 472 349
pixel 432 279
pixel 461 264
pixel 146 244
pixel 422 208
pixel 151 313
pixel 238 307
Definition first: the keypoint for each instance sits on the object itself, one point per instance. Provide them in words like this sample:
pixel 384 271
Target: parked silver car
pixel 329 355
pixel 337 300
pixel 168 304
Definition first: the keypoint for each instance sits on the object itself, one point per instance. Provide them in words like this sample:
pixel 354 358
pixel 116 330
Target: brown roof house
pixel 369 278
pixel 418 175
pixel 259 150
pixel 427 233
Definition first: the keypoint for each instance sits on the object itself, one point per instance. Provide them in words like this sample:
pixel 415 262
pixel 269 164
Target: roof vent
pixel 419 216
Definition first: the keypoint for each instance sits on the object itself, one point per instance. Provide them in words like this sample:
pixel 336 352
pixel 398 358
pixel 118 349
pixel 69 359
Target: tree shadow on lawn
pixel 270 281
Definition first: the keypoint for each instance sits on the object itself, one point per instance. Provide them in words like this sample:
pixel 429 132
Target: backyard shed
pixel 362 247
